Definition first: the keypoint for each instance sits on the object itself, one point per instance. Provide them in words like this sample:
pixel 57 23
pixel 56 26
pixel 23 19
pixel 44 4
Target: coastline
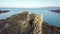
pixel 14 20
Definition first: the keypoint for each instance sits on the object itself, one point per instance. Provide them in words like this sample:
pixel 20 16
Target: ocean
pixel 51 18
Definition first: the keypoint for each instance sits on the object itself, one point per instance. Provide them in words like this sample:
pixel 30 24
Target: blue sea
pixel 51 18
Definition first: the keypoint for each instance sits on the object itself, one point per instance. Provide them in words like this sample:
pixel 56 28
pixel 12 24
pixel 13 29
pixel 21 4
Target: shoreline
pixel 13 23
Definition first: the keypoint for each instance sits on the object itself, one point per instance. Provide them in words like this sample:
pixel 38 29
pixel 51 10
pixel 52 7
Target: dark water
pixel 51 17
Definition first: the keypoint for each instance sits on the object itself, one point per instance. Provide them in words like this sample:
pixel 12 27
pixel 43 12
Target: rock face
pixel 37 23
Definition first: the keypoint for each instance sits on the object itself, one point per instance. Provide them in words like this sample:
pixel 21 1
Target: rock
pixel 37 23
pixel 47 29
pixel 19 24
pixel 3 11
pixel 57 11
pixel 25 23
pixel 32 16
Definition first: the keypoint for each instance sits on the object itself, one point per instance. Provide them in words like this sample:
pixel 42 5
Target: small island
pixel 57 11
pixel 3 11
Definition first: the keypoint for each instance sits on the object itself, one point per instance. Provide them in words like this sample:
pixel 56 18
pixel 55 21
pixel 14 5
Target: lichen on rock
pixel 37 23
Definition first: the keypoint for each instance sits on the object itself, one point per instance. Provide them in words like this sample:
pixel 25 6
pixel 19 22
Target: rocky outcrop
pixel 50 29
pixel 3 11
pixel 37 23
pixel 57 11
pixel 22 23
pixel 25 23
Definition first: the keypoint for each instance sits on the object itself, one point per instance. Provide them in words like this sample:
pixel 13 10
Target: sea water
pixel 51 18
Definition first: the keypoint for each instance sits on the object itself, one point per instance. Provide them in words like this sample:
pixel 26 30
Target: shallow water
pixel 51 17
